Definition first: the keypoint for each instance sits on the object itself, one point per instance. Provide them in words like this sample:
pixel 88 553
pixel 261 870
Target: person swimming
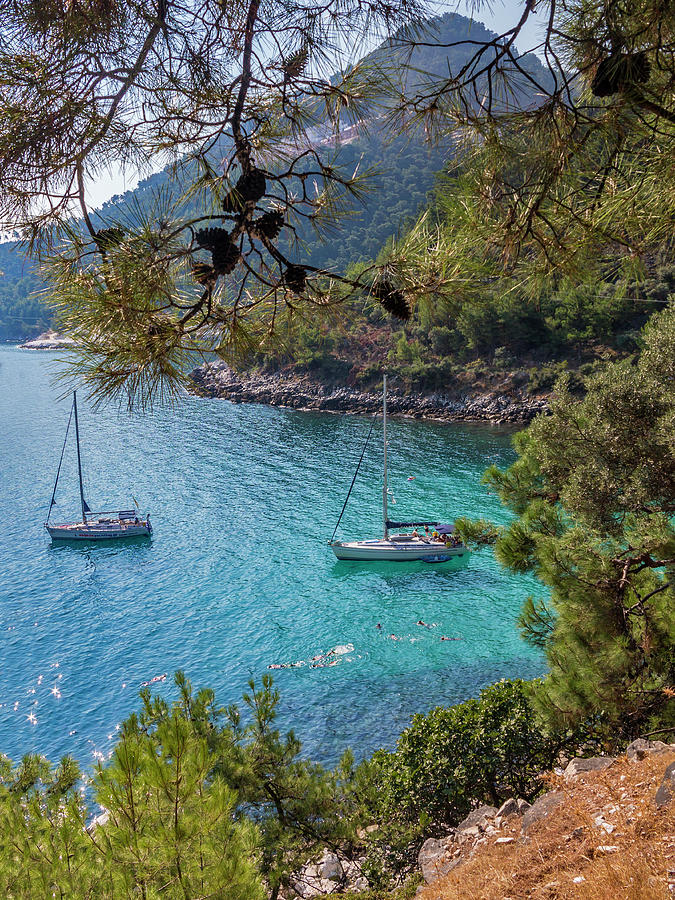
pixel 154 680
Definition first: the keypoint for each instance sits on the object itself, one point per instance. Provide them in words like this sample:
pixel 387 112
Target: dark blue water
pixel 238 575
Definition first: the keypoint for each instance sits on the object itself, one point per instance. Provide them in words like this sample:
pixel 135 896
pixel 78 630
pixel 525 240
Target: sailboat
pixel 437 543
pixel 95 526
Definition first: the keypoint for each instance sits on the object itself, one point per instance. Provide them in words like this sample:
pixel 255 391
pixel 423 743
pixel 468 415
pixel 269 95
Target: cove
pixel 238 576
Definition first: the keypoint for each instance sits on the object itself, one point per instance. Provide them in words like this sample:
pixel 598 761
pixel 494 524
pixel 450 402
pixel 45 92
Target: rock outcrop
pixel 597 807
pixel 330 874
pixel 50 340
pixel 510 406
pixel 582 765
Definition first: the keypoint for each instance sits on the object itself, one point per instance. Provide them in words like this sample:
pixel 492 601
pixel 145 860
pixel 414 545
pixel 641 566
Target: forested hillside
pixel 404 171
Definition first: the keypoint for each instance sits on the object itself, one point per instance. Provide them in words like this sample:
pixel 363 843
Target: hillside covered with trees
pixel 549 246
pixel 403 169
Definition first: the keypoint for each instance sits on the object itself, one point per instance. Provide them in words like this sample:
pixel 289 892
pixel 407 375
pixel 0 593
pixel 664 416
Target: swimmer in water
pixel 443 638
pixel 286 665
pixel 154 680
pixel 379 626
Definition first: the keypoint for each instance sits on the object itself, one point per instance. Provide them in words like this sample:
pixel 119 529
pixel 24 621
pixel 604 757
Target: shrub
pixel 482 750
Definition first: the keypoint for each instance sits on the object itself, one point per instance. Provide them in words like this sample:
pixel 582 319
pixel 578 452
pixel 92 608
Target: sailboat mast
pixel 79 460
pixel 384 437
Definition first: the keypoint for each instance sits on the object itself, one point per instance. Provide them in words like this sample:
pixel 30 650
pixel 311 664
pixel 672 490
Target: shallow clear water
pixel 238 575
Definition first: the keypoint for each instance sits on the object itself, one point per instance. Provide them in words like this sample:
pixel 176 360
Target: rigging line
pixel 363 452
pixel 58 471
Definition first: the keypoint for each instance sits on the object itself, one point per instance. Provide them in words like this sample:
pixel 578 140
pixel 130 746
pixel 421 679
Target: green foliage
pixel 569 184
pixel 594 494
pixel 198 803
pixel 298 806
pixel 22 313
pixel 483 750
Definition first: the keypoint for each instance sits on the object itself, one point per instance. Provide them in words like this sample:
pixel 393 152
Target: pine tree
pixel 566 170
pixel 593 490
pixel 239 98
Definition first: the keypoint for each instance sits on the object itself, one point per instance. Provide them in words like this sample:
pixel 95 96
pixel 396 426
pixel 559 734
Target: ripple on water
pixel 238 575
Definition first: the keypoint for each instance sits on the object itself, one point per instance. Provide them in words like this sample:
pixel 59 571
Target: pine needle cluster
pixel 233 98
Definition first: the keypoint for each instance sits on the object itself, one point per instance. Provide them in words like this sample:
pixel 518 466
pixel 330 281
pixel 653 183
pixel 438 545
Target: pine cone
pixel 249 188
pixel 203 273
pixel 295 64
pixel 617 72
pixel 225 258
pixel 296 278
pixel 224 254
pixel 392 299
pixel 208 238
pixel 269 224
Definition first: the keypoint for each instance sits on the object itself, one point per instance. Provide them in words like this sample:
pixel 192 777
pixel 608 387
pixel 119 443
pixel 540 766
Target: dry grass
pixel 565 845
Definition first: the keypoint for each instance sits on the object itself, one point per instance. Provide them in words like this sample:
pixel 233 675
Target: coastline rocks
pixel 436 858
pixel 331 874
pixel 50 340
pixel 640 748
pixel 508 808
pixel 478 818
pixel 300 392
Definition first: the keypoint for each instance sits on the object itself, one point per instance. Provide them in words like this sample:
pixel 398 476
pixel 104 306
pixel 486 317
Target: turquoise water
pixel 238 575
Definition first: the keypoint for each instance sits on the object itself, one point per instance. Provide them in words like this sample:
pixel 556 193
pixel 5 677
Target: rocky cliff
pixel 503 405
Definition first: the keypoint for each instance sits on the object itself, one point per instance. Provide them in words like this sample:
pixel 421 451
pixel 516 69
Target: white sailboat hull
pixel 397 551
pixel 103 525
pixel 103 531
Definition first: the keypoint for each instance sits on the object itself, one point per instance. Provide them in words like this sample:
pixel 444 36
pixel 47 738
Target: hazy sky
pixel 498 15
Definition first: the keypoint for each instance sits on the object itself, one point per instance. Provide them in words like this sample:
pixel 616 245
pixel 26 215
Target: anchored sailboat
pixel 95 526
pixel 437 544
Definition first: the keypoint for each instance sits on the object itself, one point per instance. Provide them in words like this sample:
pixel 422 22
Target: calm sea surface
pixel 238 575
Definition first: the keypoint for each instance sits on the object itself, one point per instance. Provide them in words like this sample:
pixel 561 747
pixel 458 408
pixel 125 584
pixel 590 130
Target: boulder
pixel 541 808
pixel 581 766
pixel 523 806
pixel 478 817
pixel 641 748
pixel 508 808
pixel 666 792
pixel 331 868
pixel 434 860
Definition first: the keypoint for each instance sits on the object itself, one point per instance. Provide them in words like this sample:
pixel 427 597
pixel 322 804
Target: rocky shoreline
pixel 50 340
pixel 504 405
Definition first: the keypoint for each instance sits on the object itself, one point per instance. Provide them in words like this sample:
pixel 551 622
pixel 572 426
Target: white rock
pixel 505 840
pixel 330 867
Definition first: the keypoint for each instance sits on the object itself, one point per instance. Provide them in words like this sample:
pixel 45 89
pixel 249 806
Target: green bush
pixel 448 761
pixel 482 750
pixel 543 378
